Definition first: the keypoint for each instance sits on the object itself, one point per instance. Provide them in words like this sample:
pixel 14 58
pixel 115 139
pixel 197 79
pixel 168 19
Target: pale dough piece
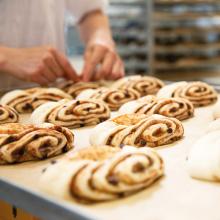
pixel 204 158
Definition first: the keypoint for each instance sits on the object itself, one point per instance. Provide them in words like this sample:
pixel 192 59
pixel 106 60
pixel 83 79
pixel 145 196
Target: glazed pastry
pixel 137 129
pixel 98 174
pixel 25 101
pixel 8 114
pixel 74 89
pixel 204 158
pixel 19 143
pixel 171 107
pixel 115 98
pixel 144 85
pixel 199 93
pixel 72 114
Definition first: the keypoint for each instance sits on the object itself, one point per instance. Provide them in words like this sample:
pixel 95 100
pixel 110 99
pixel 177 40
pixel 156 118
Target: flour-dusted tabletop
pixel 175 196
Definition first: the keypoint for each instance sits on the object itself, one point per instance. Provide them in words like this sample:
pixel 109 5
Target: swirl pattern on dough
pixel 8 114
pixel 115 98
pixel 199 93
pixel 72 114
pixel 98 174
pixel 25 101
pixel 74 89
pixel 171 107
pixel 138 130
pixel 144 85
pixel 20 143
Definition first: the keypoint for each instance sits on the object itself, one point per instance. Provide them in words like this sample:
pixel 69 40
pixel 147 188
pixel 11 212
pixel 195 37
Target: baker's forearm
pixel 100 56
pixel 95 26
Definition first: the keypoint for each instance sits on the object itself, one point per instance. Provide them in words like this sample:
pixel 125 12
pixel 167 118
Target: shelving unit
pixel 187 36
pixel 130 31
pixel 165 36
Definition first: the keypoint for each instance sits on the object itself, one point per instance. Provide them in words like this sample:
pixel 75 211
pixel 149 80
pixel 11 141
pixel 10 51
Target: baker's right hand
pixel 42 65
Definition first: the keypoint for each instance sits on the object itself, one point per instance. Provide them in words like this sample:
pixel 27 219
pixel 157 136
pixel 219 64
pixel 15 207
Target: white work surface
pixel 176 196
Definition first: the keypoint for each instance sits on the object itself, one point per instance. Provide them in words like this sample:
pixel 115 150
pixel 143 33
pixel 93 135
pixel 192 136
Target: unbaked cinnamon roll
pixel 19 143
pixel 115 98
pixel 25 101
pixel 8 114
pixel 171 107
pixel 72 114
pixel 19 100
pixel 144 85
pixel 74 89
pixel 199 93
pixel 98 174
pixel 137 129
pixel 43 95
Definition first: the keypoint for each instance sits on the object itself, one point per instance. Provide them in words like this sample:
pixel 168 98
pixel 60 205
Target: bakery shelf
pixel 195 31
pixel 190 2
pixel 190 48
pixel 187 16
pixel 128 20
pixel 189 63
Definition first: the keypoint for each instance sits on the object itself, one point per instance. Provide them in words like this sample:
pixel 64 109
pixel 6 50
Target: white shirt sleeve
pixel 78 8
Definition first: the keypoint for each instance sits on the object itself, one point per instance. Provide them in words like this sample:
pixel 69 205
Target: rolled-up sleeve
pixel 78 8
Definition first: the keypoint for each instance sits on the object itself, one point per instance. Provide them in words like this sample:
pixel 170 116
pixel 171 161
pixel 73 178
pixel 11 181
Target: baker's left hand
pixel 101 61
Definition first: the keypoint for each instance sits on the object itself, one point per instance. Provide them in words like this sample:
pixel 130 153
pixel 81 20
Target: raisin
pixel 138 167
pixel 169 130
pixel 112 179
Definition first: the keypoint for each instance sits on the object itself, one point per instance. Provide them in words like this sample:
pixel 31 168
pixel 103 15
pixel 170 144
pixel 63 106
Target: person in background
pixel 32 42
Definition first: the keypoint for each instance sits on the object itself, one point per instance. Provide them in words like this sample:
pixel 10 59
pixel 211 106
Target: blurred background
pixel 174 40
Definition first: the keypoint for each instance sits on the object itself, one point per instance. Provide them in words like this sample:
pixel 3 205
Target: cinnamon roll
pixel 113 97
pixel 19 143
pixel 8 114
pixel 144 85
pixel 43 95
pixel 72 114
pixel 171 107
pixel 199 93
pixel 25 101
pixel 74 89
pixel 137 129
pixel 99 174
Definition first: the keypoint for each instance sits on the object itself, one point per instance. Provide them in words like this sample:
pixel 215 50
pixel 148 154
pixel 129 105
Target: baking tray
pixel 175 196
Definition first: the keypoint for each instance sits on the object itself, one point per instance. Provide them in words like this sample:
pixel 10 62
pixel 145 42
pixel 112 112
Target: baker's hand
pixel 42 65
pixel 102 62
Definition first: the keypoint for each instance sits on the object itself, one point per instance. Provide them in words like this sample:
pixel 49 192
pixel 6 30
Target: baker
pixel 32 42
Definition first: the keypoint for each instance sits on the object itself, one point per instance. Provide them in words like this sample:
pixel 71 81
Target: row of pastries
pixel 120 160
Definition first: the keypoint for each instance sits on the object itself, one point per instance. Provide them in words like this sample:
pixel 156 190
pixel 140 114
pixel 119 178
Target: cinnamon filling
pixel 27 106
pixel 138 167
pixel 18 153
